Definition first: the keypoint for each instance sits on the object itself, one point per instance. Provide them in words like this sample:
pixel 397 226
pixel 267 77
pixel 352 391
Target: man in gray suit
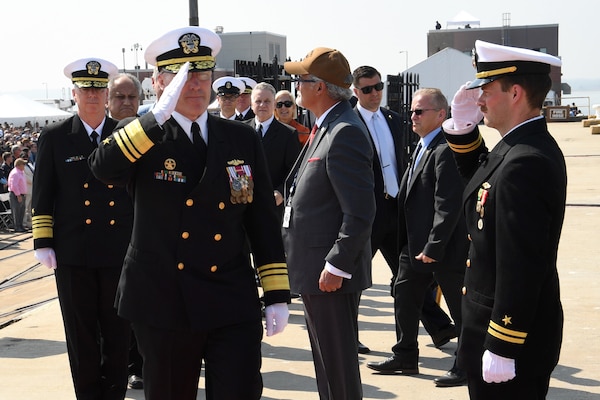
pixel 327 221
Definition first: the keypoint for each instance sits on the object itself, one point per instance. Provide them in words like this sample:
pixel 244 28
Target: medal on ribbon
pixel 241 183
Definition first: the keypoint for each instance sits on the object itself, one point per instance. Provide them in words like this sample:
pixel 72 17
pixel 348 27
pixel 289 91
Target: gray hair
pixel 335 92
pixel 132 78
pixel 438 100
pixel 265 86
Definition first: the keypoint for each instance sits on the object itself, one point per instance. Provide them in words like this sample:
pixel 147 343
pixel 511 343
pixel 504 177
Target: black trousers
pixel 97 338
pixel 332 323
pixel 385 239
pixel 410 290
pixel 173 361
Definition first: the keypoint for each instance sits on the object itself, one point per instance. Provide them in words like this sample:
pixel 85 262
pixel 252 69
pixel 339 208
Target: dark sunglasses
pixel 286 103
pixel 420 111
pixel 369 89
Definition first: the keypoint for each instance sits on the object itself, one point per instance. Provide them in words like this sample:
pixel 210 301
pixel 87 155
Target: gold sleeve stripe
pixel 42 227
pixel 465 148
pixel 133 141
pixel 273 277
pixel 507 335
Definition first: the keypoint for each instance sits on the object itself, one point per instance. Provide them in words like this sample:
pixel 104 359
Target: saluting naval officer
pixel 82 227
pixel 514 205
pixel 200 184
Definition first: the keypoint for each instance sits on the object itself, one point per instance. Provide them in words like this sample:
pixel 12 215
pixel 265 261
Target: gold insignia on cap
pixel 228 85
pixel 507 320
pixel 235 162
pixel 93 67
pixel 189 43
pixel 170 164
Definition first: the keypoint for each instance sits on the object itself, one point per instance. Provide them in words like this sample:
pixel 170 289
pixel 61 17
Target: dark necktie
pixel 259 131
pixel 94 138
pixel 239 117
pixel 199 143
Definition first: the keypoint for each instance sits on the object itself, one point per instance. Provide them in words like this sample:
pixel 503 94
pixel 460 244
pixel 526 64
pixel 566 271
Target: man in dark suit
pixel 390 159
pixel 280 141
pixel 327 221
pixel 82 227
pixel 432 237
pixel 124 92
pixel 200 186
pixel 514 204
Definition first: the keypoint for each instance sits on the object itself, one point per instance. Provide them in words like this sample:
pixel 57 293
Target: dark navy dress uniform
pixel 88 224
pixel 186 270
pixel 511 303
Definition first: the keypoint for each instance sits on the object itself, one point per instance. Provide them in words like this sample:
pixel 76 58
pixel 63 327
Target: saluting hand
pixel 168 100
pixel 465 111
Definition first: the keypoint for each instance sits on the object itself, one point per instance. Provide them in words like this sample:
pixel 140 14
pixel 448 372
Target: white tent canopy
pixel 462 19
pixel 17 110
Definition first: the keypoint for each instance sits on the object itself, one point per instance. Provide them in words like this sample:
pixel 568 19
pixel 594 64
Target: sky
pixel 40 37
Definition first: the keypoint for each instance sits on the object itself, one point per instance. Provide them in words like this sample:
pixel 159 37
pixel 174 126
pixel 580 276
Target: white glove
pixel 46 257
pixel 465 111
pixel 168 100
pixel 497 369
pixel 276 316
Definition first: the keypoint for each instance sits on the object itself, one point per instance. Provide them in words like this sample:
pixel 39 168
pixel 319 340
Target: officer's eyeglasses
pixel 369 89
pixel 286 103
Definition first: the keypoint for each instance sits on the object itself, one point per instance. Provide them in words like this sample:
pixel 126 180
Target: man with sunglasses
pixel 327 221
pixel 431 236
pixel 390 160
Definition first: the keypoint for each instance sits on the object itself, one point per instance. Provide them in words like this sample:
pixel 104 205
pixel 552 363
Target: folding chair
pixel 6 219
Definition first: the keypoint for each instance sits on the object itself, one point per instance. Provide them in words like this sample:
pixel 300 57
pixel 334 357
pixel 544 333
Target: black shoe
pixel 362 349
pixel 444 336
pixel 394 365
pixel 135 382
pixel 454 377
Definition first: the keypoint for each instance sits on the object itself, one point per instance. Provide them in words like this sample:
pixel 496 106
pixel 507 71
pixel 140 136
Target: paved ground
pixel 33 360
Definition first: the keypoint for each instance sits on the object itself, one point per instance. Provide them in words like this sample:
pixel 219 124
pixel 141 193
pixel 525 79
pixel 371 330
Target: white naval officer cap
pixel 494 61
pixel 197 45
pixel 90 72
pixel 228 85
pixel 249 84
